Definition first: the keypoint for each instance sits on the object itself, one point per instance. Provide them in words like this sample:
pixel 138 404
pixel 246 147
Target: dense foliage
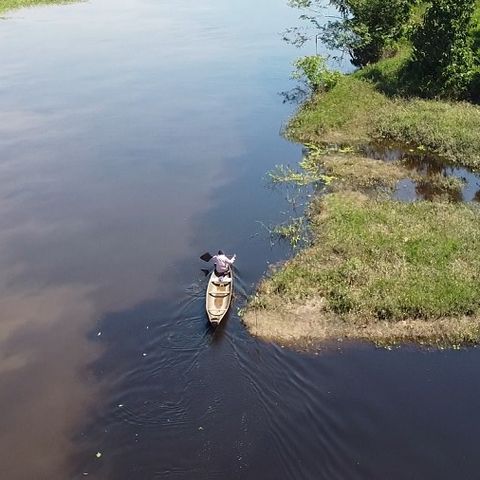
pixel 438 42
pixel 366 29
pixel 443 58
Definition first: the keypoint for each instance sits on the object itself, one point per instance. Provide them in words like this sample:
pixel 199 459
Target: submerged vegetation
pixel 377 268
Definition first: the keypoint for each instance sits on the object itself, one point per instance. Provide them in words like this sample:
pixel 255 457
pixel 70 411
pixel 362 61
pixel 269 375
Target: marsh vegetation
pixel 383 266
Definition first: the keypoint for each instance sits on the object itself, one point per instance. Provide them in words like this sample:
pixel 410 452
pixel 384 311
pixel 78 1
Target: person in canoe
pixel 222 264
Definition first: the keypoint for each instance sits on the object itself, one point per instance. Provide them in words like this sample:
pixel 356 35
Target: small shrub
pixel 294 231
pixel 313 71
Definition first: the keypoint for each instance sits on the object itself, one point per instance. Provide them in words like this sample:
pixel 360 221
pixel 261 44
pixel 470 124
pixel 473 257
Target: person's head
pixel 220 252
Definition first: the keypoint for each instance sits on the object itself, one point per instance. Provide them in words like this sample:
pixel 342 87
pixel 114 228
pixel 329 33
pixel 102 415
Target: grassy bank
pixel 341 115
pixel 355 112
pixel 378 270
pixel 6 5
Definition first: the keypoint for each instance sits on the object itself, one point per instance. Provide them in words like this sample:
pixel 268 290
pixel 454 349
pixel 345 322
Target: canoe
pixel 219 297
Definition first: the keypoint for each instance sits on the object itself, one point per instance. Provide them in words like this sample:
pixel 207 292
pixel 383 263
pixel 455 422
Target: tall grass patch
pixel 388 75
pixel 354 112
pixel 451 130
pixel 387 261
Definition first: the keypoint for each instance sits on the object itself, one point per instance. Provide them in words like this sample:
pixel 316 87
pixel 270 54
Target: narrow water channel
pixel 134 136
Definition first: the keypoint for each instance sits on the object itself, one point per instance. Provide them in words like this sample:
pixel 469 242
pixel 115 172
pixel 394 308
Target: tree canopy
pixel 444 44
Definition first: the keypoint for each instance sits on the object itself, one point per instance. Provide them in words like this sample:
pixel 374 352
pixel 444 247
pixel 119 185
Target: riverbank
pixel 379 268
pixel 7 5
pixel 355 112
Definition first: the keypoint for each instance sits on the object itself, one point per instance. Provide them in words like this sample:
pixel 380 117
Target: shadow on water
pixel 187 401
pixel 168 371
pixel 294 96
pixel 206 404
pixel 438 177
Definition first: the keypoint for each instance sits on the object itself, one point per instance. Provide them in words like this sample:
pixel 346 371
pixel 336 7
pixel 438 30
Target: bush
pixel 366 30
pixel 313 71
pixel 442 59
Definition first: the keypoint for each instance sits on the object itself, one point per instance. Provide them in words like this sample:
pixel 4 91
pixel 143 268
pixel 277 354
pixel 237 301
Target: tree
pixel 443 59
pixel 365 29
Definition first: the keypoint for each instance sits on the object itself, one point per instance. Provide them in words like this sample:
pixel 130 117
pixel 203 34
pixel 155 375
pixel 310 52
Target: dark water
pixel 429 167
pixel 134 136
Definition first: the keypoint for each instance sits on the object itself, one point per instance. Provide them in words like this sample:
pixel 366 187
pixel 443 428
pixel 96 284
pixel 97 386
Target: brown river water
pixel 134 136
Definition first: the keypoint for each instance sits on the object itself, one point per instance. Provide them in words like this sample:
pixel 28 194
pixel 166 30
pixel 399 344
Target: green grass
pixel 387 75
pixel 364 263
pixel 355 112
pixel 341 115
pixel 378 269
pixel 451 130
pixel 354 172
pixel 374 262
pixel 6 5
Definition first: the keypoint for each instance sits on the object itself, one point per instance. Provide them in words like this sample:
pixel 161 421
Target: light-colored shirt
pixel 222 262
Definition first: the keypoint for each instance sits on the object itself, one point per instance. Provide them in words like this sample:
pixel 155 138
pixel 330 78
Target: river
pixel 134 136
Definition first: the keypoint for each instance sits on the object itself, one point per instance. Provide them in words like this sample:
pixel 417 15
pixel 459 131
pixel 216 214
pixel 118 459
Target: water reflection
pixel 118 125
pixel 295 96
pixel 439 178
pixel 133 134
pixel 44 389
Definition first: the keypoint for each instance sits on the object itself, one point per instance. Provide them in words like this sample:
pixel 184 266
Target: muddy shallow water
pixel 433 171
pixel 134 136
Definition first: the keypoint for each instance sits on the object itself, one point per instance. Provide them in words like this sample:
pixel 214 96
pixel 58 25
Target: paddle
pixel 206 257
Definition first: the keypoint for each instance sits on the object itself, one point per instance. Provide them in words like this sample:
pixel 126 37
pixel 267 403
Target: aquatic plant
pixel 295 231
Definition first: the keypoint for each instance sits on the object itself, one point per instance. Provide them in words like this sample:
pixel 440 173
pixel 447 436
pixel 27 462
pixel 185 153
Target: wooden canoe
pixel 219 297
